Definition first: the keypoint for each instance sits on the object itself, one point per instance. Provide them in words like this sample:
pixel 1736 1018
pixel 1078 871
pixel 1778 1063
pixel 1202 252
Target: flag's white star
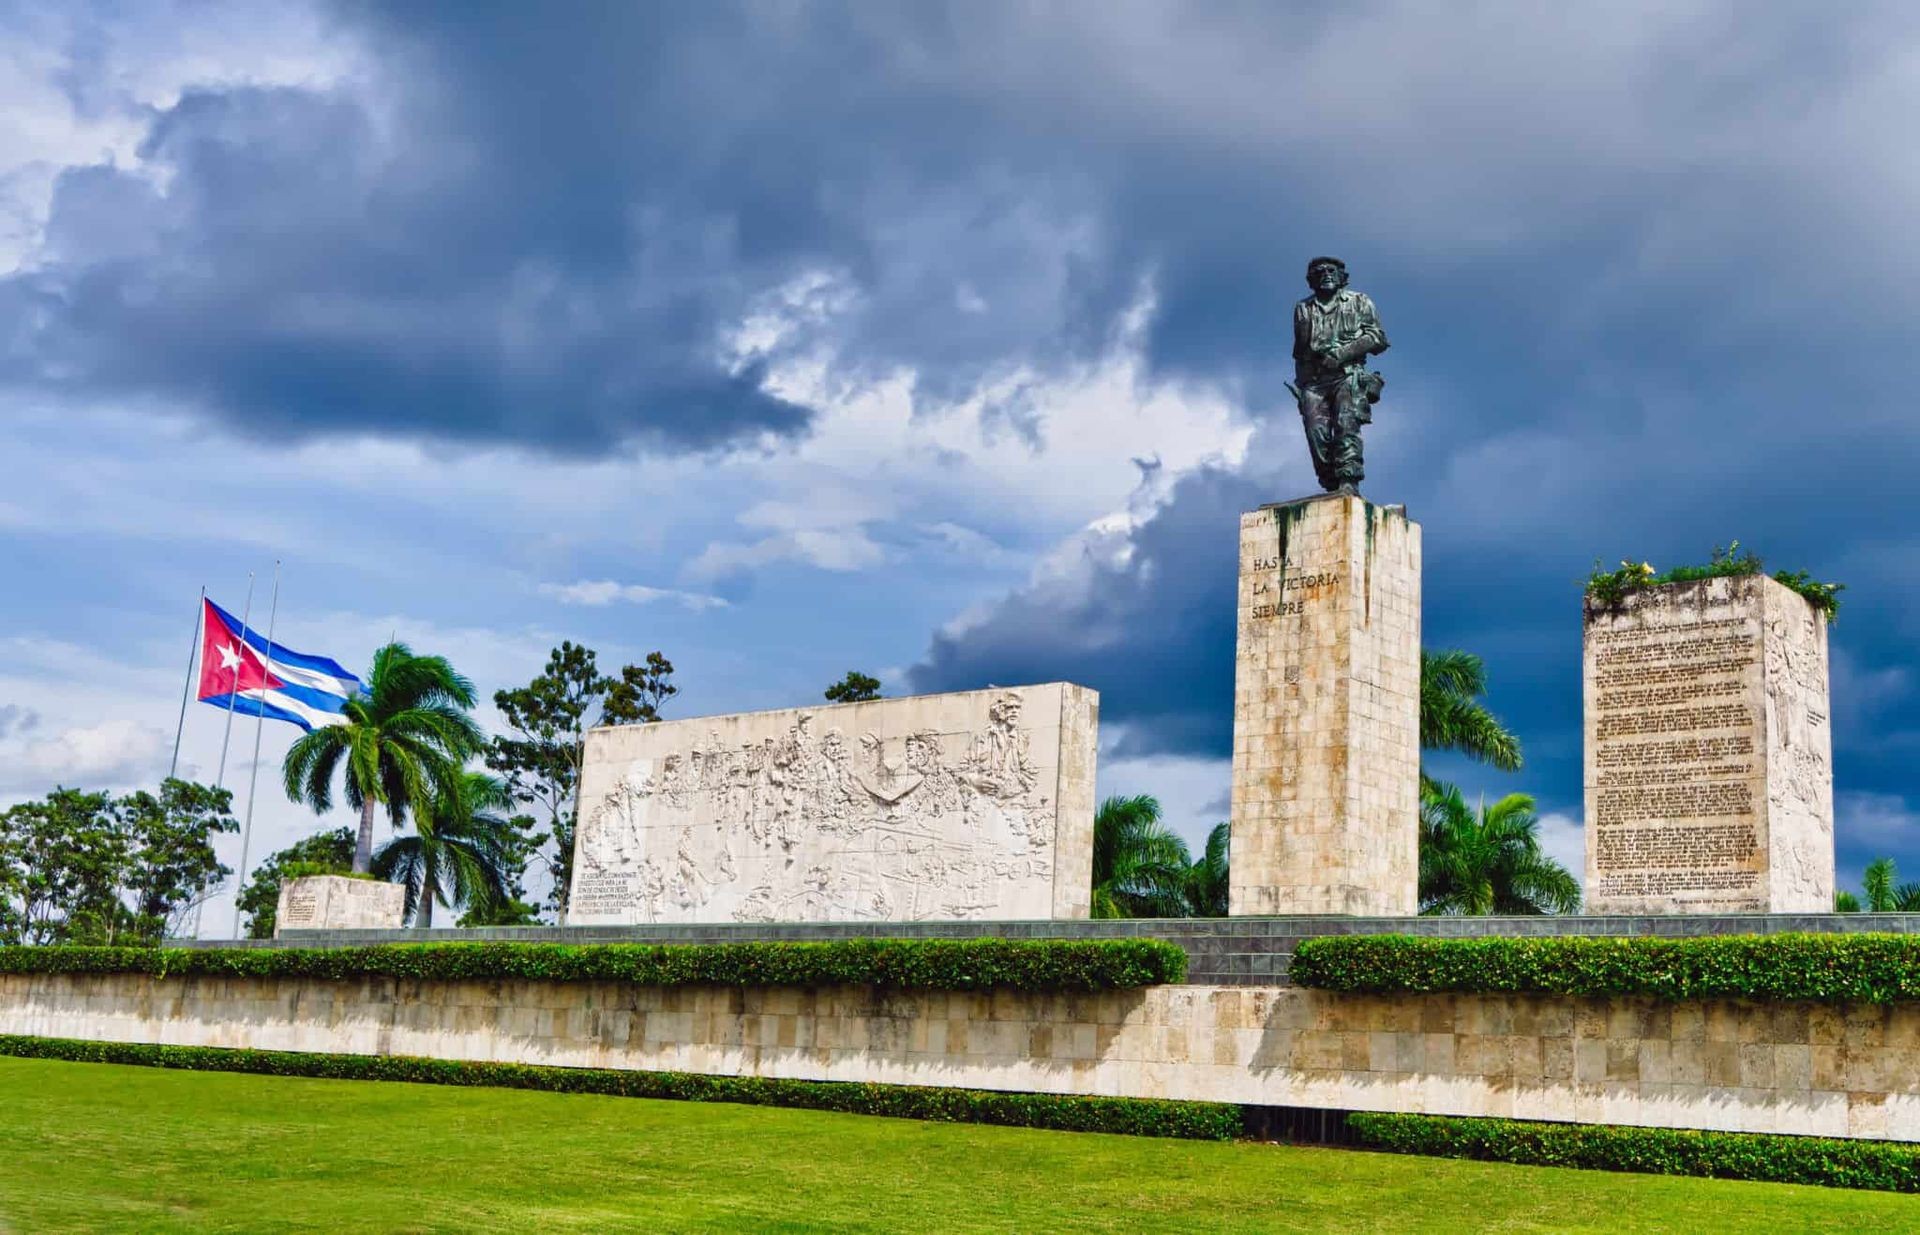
pixel 229 657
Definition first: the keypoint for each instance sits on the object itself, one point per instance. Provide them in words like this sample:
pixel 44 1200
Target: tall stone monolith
pixel 1326 716
pixel 1709 761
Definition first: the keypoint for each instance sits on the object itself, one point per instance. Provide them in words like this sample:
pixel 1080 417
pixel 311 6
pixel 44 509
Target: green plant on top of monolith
pixel 1609 589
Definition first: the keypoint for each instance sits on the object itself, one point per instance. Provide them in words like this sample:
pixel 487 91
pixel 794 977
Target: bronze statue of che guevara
pixel 1334 331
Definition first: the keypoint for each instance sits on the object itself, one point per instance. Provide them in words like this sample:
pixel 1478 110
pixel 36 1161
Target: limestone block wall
pixel 1326 719
pixel 1785 1068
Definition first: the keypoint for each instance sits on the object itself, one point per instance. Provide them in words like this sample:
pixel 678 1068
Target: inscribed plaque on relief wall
pixel 976 805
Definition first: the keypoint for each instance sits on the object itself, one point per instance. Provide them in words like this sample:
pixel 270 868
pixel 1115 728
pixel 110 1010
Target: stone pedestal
pixel 1709 768
pixel 1326 717
pixel 335 902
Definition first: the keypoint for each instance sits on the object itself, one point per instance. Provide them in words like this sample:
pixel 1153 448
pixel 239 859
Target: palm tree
pixel 1139 867
pixel 404 739
pixel 1877 882
pixel 1487 861
pixel 1880 893
pixel 1452 716
pixel 461 853
pixel 1207 876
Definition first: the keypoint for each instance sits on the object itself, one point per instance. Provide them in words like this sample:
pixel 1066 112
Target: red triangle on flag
pixel 228 663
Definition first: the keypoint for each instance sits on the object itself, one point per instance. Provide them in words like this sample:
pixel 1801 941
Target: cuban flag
pixel 241 670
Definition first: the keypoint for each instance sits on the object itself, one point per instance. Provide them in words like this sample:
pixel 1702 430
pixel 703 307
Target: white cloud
pixel 966 544
pixel 596 592
pixel 113 754
pixel 1885 819
pixel 1564 839
pixel 836 549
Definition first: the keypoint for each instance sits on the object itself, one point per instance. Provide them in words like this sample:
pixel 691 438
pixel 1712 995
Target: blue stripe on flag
pixel 245 706
pixel 281 654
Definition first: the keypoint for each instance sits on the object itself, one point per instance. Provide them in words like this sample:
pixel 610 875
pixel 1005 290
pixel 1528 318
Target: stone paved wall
pixel 1789 1068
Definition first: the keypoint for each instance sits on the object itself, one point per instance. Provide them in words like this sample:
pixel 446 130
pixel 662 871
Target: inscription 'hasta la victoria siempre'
pixel 1311 586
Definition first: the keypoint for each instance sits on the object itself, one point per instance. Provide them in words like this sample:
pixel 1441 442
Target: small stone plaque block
pixel 1709 762
pixel 1326 711
pixel 335 902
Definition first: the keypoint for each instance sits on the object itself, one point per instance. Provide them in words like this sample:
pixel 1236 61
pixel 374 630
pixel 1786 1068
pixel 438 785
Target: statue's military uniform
pixel 1331 343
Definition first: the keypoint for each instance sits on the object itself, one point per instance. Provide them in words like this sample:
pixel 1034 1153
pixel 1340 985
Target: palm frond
pixel 1451 715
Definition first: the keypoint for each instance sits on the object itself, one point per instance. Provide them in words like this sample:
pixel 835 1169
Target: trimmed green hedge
pixel 1879 1165
pixel 904 964
pixel 1204 1121
pixel 1865 968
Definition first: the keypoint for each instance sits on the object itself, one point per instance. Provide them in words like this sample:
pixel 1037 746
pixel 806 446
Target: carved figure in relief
pixel 690 887
pixel 740 813
pixel 886 783
pixel 1796 715
pixel 653 885
pixel 998 763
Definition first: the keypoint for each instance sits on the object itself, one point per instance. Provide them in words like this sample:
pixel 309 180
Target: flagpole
pixel 233 688
pixel 253 777
pixel 186 690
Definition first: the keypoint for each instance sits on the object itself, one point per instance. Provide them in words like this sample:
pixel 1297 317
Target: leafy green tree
pixel 856 687
pixel 172 866
pixel 1139 866
pixel 640 692
pixel 461 851
pixel 1845 902
pixel 510 912
pixel 69 856
pixel 404 741
pixel 323 853
pixel 1206 889
pixel 1487 861
pixel 540 759
pixel 1452 716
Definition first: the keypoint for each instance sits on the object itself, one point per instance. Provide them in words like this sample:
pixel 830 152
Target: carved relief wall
pixel 935 807
pixel 1799 754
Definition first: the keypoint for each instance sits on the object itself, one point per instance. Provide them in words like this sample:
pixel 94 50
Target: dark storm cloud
pixel 542 224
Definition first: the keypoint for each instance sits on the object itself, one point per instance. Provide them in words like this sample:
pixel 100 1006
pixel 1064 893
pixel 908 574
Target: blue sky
pixel 941 341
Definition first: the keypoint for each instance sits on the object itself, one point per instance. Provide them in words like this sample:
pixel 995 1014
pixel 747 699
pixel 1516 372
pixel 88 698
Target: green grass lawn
pixel 99 1147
